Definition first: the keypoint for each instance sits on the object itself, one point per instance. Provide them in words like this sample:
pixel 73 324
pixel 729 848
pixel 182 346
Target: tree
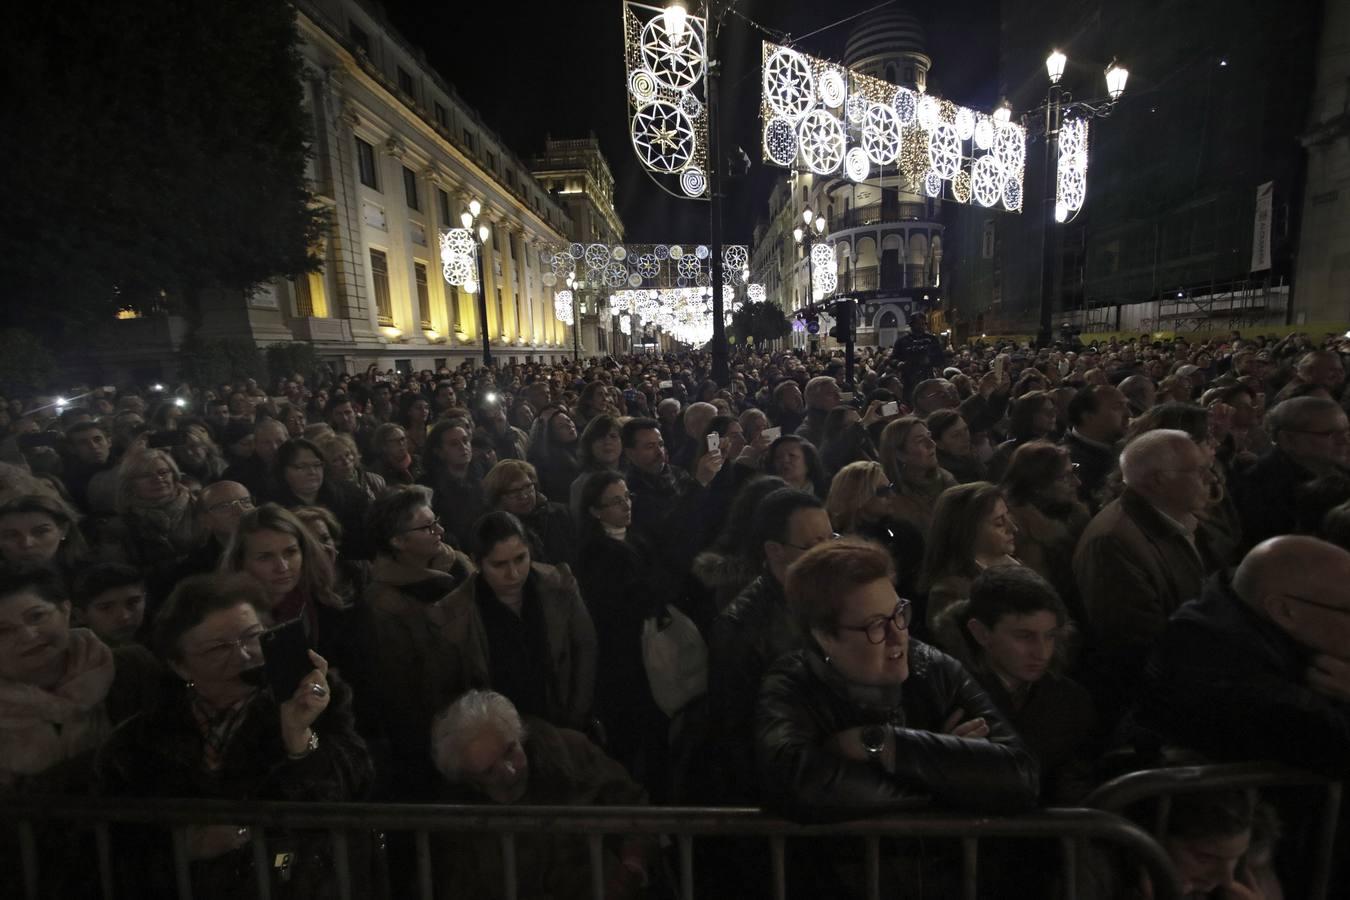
pixel 155 149
pixel 759 322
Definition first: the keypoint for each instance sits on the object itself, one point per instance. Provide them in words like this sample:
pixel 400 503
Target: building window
pixel 379 273
pixel 359 37
pixel 405 81
pixel 423 293
pixel 492 162
pixel 443 201
pixel 410 187
pixel 442 116
pixel 365 161
pixel 468 139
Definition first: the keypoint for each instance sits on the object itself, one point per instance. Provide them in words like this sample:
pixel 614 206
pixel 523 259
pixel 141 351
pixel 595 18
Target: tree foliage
pixel 25 364
pixel 153 149
pixel 759 322
pixel 214 361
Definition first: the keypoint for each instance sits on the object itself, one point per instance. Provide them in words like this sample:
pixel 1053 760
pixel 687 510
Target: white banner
pixel 1265 195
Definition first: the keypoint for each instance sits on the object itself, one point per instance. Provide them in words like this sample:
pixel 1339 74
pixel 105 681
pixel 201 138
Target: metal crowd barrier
pixel 1161 784
pixel 1072 828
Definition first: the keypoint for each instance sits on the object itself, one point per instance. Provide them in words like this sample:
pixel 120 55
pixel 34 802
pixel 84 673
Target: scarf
pixel 169 519
pixel 617 533
pixel 218 726
pixel 40 727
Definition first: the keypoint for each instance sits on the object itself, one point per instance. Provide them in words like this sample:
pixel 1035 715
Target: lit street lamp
pixel 469 219
pixel 1065 174
pixel 815 225
pixel 575 285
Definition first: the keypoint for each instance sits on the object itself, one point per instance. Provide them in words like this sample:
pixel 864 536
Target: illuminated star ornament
pixel 817 116
pixel 667 63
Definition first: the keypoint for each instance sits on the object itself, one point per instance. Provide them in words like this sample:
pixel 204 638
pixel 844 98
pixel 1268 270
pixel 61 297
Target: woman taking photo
pixel 621 578
pixel 1041 486
pixel 955 452
pixel 300 481
pixel 909 456
pixel 846 727
pixel 599 449
pixel 219 734
pixel 795 460
pixel 972 531
pixel 526 624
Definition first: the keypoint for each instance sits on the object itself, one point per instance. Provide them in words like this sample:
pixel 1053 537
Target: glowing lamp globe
pixel 1116 76
pixel 1054 65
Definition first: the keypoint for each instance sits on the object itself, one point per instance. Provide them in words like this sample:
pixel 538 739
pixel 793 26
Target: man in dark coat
pixel 918 352
pixel 1137 561
pixel 1097 419
pixel 1312 439
pixel 1263 660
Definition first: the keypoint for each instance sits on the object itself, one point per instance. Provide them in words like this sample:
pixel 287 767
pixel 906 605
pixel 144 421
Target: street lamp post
pixel 1058 102
pixel 469 219
pixel 815 225
pixel 576 286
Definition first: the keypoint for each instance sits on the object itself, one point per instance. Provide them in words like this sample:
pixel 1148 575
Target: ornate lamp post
pixel 469 219
pixel 1064 125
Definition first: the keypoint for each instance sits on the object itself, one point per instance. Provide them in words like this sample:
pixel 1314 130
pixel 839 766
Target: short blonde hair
pixel 133 466
pixel 498 480
pixel 853 485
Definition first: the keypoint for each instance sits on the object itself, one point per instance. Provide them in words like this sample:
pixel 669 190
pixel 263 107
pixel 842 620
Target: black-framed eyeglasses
pixel 876 629
pixel 525 490
pixel 833 537
pixel 430 528
pixel 220 651
pixel 624 499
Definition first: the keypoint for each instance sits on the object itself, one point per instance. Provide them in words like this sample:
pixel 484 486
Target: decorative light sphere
pixel 701 251
pixel 634 280
pixel 932 184
pixel 663 136
pixel 930 112
pixel 1061 212
pixel 965 123
pixel 735 256
pixel 789 86
pixel 832 89
pixel 597 256
pixel 856 164
pixel 961 187
pixel 822 257
pixel 676 251
pixel 984 133
pixel 693 182
pixel 822 139
pixel 856 109
pixel 642 85
pixel 576 251
pixel 661 252
pixel 470 287
pixel 944 150
pixel 548 279
pixel 987 178
pixel 755 292
pixel 906 105
pixel 1012 194
pixel 780 141
pixel 619 252
pixel 881 134
pixel 691 105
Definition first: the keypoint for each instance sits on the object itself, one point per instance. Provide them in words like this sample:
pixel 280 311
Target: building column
pixel 510 309
pixel 346 251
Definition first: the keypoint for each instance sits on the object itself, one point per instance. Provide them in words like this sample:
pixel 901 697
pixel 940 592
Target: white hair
pixel 464 721
pixel 1149 454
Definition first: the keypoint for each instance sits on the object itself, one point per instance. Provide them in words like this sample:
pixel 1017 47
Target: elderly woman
pixel 1041 486
pixel 300 481
pixel 342 464
pixel 393 460
pixel 972 530
pixel 908 453
pixel 54 679
pixel 486 753
pixel 154 527
pixel 865 720
pixel 220 734
pixel 523 623
pixel 599 449
pixel 513 486
pixel 795 460
pixel 40 529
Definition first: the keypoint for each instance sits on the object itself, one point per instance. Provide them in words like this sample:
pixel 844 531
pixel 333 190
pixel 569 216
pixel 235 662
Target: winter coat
pixel 804 702
pixel 160 753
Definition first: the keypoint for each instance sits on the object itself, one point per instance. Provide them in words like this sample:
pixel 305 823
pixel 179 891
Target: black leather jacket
pixel 804 701
pixel 746 639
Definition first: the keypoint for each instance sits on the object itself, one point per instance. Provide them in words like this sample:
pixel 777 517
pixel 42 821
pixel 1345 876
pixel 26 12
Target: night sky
pixel 537 68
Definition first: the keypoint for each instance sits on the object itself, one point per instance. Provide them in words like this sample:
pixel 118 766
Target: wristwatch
pixel 873 740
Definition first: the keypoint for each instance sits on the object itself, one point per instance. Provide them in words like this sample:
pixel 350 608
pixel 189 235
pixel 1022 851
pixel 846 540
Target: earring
pixel 829 660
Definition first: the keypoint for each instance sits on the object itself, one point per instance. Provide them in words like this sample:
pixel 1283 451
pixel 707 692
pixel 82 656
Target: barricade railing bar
pixel 1161 784
pixel 1070 828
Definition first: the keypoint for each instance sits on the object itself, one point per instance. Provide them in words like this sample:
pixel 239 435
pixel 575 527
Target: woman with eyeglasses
pixel 299 480
pixel 1041 486
pixel 599 449
pixel 863 720
pixel 624 584
pixel 417 672
pixel 154 526
pixel 513 485
pixel 219 732
pixel 393 460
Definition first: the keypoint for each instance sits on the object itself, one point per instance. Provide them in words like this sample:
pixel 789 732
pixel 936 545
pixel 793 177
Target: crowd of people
pixel 986 578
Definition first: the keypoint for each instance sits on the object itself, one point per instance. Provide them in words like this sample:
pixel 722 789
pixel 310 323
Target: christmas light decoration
pixel 1071 171
pixel 562 307
pixel 702 251
pixel 735 256
pixel 676 251
pixel 906 106
pixel 944 151
pixel 648 266
pixel 881 134
pixel 755 292
pixel 597 256
pixel 667 63
pixel 822 140
pixel 619 252
pixel 961 187
pixel 789 86
pixel 780 141
pixel 822 256
pixel 832 89
pixel 457 255
pixel 856 164
pixel 987 180
pixel 984 133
